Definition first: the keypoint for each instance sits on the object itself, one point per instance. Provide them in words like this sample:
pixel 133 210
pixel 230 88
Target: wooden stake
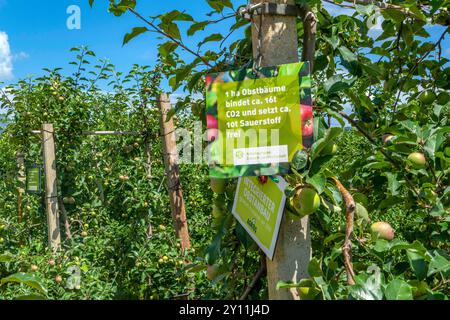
pixel 172 172
pixel 275 42
pixel 51 193
pixel 65 219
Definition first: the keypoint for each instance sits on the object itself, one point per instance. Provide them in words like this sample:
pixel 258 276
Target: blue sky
pixel 38 36
pixel 34 35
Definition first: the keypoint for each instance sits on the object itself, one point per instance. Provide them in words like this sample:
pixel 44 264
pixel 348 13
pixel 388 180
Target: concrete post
pixel 279 45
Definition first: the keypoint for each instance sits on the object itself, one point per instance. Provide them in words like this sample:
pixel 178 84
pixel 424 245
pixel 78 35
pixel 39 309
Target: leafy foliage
pixel 391 88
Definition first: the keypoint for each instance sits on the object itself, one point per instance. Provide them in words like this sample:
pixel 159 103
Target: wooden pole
pixel 172 172
pixel 274 40
pixel 65 218
pixel 51 193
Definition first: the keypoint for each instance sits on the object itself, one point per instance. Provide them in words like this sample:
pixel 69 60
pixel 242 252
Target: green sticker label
pixel 255 119
pixel 259 208
pixel 33 179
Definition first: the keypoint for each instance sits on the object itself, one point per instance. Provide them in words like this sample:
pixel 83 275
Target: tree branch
pixel 256 277
pixel 411 71
pixel 309 34
pixel 394 162
pixel 178 42
pixel 347 246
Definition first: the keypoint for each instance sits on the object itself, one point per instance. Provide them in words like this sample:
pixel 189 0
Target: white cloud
pixel 20 56
pixel 6 66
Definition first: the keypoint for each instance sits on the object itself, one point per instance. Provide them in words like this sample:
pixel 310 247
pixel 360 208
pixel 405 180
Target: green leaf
pixel 197 27
pixel 438 209
pixel 347 55
pixel 27 279
pixel 433 295
pixel 122 7
pixel 6 257
pixel 381 245
pixel 314 269
pixel 440 264
pixel 372 69
pixel 416 11
pixel 337 83
pixel 333 41
pixel 318 182
pixel 243 236
pixel 213 250
pixel 394 15
pixel 367 288
pixel 377 165
pixel 173 83
pixel 365 10
pixel 398 289
pixel 417 263
pixel 218 5
pixel 180 75
pixel 167 48
pixel 175 15
pixel 333 237
pixel 393 184
pixel 211 38
pixel 330 136
pixel 320 127
pixel 134 33
pixel 299 160
pixel 302 283
pixel 240 23
pixel 171 29
pixel 336 116
pixel 407 34
pixel 397 244
pixel 195 79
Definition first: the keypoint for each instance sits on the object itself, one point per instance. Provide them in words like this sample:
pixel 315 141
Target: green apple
pixel 306 201
pixel 443 98
pixel 218 185
pixel 427 97
pixel 417 160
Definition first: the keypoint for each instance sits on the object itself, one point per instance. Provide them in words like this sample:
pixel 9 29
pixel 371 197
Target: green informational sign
pixel 258 119
pixel 33 179
pixel 259 208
